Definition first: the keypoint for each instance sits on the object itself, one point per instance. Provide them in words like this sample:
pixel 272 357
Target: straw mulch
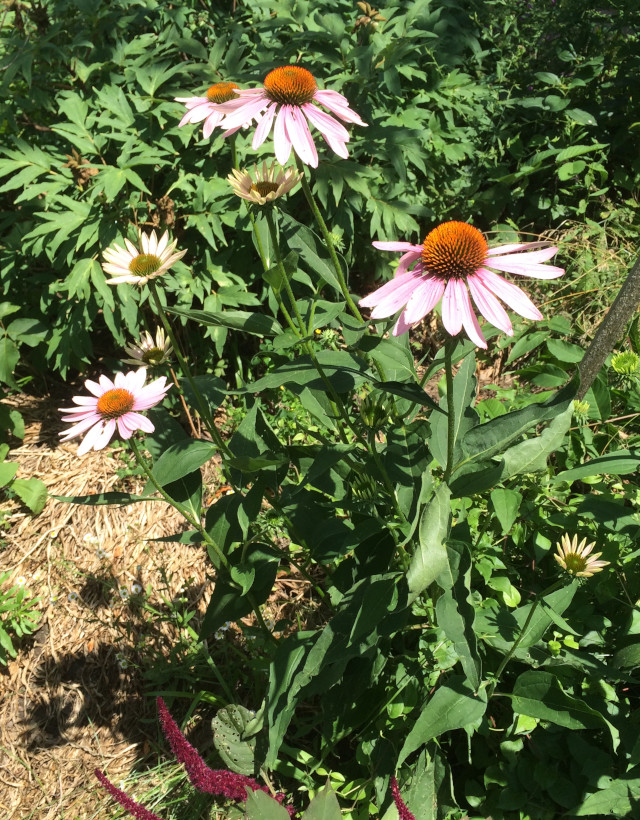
pixel 72 700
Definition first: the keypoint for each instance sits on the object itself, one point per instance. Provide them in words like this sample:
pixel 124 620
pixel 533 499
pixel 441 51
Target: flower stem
pixel 523 632
pixel 175 504
pixel 329 240
pixel 202 407
pixel 451 413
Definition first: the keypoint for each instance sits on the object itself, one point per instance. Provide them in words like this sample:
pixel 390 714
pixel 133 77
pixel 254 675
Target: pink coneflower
pixel 135 266
pixel 210 108
pixel 452 263
pixel 288 96
pixel 113 404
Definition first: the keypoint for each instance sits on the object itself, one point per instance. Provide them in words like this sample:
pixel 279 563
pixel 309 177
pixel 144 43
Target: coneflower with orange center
pixel 288 98
pixel 211 108
pixel 453 264
pixel 112 405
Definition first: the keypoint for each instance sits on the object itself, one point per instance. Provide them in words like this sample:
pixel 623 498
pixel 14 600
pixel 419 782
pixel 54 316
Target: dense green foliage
pixel 442 642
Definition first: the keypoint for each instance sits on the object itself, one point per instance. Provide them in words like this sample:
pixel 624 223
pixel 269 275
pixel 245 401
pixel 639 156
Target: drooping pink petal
pixel 325 124
pixel 300 136
pixel 401 326
pixel 281 140
pixel 406 260
pixel 522 266
pixel 393 295
pixel 264 127
pixel 488 305
pixel 79 427
pixel 424 298
pixel 451 309
pixel 510 294
pixel 338 105
pixel 469 318
pixel 210 123
pixel 245 111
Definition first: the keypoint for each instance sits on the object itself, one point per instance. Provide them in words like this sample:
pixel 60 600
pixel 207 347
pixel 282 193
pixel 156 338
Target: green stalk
pixel 329 240
pixel 523 632
pixel 202 407
pixel 451 415
pixel 176 505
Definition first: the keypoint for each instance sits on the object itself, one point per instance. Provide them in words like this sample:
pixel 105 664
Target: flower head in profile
pixel 149 352
pixel 453 264
pixel 112 404
pixel 266 185
pixel 136 266
pixel 211 108
pixel 578 559
pixel 289 97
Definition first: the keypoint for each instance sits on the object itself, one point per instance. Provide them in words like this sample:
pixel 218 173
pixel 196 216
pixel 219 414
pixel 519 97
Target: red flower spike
pixel 403 811
pixel 134 809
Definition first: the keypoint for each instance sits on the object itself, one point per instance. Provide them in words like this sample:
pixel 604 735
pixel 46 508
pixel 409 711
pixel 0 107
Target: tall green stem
pixel 451 413
pixel 195 523
pixel 330 244
pixel 202 406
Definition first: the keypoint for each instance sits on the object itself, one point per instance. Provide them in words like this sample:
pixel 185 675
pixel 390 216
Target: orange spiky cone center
pixel 290 85
pixel 115 403
pixel 222 92
pixel 454 250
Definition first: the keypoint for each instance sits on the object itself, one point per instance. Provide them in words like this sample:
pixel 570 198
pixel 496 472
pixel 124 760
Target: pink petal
pixel 401 325
pixel 526 265
pixel 80 427
pixel 325 124
pixel 451 309
pixel 198 113
pixel 264 126
pixel 398 246
pixel 339 105
pixel 245 112
pixel 406 260
pixel 393 295
pixel 510 294
pixel 300 136
pixel 281 141
pixel 424 298
pixel 210 124
pixel 488 305
pixel 469 319
pixel 336 146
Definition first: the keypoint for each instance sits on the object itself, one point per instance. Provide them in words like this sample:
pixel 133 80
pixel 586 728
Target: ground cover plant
pixel 283 238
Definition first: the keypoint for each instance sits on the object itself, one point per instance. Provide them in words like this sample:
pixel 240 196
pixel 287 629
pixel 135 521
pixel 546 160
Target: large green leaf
pixel 324 806
pixel 257 324
pixel 620 798
pixel 465 417
pixel 344 371
pixel 453 706
pixel 261 806
pixel 430 559
pixel 490 439
pixel 621 462
pixel 32 492
pixel 540 695
pixel 180 459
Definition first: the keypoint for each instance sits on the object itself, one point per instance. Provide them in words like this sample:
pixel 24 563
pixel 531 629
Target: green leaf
pixel 180 459
pixel 344 370
pixel 628 657
pixel 32 492
pixel 455 613
pixel 487 440
pixel 619 463
pixel 540 695
pixel 570 169
pixel 565 351
pixel 465 417
pixel 530 456
pixel 261 806
pixel 9 356
pixel 258 324
pixel 453 706
pixel 120 499
pixel 506 504
pixel 324 806
pixel 302 240
pixel 619 799
pixel 430 559
pixel 7 471
pixel 229 728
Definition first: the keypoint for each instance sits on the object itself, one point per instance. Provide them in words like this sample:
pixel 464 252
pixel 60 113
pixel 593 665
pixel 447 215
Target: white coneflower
pixel 266 185
pixel 149 352
pixel 578 559
pixel 135 266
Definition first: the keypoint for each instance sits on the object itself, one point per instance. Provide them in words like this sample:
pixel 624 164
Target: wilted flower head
pixel 577 559
pixel 266 185
pixel 370 17
pixel 287 97
pixel 149 352
pixel 136 266
pixel 452 264
pixel 112 404
pixel 210 108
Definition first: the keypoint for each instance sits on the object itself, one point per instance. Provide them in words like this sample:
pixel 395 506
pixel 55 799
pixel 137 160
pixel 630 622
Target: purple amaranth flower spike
pixel 134 809
pixel 210 781
pixel 403 811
